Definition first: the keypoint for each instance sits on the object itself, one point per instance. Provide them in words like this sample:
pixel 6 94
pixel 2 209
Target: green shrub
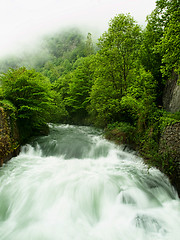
pixel 30 93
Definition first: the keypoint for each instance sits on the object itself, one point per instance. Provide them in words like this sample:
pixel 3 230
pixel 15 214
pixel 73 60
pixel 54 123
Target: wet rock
pixel 148 223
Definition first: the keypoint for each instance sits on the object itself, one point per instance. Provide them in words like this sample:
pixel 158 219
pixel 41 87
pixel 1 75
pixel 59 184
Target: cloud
pixel 24 21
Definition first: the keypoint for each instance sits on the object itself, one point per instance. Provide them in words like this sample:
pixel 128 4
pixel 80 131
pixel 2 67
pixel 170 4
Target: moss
pixel 146 141
pixel 9 137
pixel 121 133
pixel 168 119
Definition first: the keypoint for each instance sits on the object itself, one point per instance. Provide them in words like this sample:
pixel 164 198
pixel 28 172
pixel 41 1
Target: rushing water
pixel 75 185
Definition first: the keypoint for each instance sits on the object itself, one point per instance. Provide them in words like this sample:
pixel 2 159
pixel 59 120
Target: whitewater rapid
pixel 75 185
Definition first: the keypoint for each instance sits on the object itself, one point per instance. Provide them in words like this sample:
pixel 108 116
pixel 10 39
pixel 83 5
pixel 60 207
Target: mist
pixel 24 22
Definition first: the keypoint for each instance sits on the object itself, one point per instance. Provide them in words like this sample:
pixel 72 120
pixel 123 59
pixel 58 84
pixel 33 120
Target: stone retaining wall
pixel 170 146
pixel 9 137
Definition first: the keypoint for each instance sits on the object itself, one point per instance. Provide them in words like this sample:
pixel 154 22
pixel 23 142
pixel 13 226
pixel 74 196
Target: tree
pixel 160 51
pixel 169 45
pixel 77 95
pixel 151 57
pixel 167 10
pixel 113 64
pixel 30 92
pixel 121 43
pixel 89 48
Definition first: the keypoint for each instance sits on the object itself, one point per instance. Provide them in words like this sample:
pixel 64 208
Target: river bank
pixel 162 152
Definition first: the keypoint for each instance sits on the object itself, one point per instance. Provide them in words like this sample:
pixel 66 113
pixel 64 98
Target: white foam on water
pixel 111 196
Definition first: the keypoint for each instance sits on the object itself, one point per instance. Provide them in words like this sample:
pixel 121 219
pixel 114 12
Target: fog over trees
pixel 116 81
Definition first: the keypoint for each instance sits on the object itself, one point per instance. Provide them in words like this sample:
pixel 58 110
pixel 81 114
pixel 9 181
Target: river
pixel 75 185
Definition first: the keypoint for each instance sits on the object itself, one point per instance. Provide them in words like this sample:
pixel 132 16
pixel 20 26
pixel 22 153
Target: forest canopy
pixel 119 79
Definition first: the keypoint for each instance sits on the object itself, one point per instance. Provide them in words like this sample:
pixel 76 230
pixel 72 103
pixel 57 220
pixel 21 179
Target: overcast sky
pixel 24 21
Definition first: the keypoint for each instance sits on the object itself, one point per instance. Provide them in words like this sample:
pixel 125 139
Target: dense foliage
pixel 116 85
pixel 29 92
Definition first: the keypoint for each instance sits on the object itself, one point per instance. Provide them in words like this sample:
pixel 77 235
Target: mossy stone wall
pixel 170 146
pixel 9 136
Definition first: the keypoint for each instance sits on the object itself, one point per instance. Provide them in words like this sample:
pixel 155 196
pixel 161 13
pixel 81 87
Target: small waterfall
pixel 73 184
